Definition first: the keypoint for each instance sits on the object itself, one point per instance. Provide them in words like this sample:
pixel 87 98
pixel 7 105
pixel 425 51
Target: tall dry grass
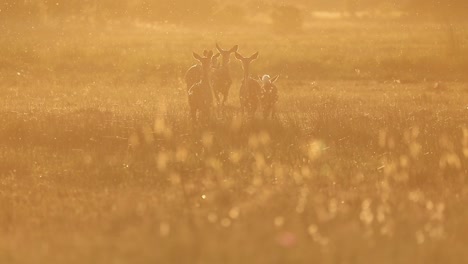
pixel 100 164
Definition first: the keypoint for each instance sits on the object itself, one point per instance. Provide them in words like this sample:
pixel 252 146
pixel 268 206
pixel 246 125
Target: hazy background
pixel 367 161
pixel 206 11
pixel 407 40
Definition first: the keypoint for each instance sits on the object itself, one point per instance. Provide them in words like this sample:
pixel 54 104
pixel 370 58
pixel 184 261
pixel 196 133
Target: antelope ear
pixel 254 56
pixel 234 49
pixel 196 56
pixel 274 79
pixel 219 48
pixel 238 56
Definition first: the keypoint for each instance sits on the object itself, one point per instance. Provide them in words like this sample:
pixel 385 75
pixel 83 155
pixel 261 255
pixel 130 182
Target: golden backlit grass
pixel 100 164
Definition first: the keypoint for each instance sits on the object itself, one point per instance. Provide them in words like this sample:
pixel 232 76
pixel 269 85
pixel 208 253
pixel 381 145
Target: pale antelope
pixel 200 96
pixel 221 79
pixel 269 96
pixel 250 89
pixel 195 72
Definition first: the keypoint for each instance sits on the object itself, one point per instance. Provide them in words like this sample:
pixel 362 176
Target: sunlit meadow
pixel 366 161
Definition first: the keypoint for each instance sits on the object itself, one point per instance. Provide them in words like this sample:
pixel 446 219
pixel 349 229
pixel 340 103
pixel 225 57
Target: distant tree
pixel 176 11
pixel 351 7
pixel 230 14
pixel 287 18
pixel 447 12
pixel 14 9
pixel 452 9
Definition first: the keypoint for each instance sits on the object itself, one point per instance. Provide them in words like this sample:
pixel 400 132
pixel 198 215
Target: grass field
pixel 366 163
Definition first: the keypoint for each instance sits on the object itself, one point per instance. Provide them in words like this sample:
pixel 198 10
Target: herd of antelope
pixel 208 78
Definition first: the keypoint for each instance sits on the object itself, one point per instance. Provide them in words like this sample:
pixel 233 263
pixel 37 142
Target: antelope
pixel 250 89
pixel 269 96
pixel 194 73
pixel 221 79
pixel 200 97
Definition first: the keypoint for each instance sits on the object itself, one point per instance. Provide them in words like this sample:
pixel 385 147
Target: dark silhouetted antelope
pixel 221 79
pixel 200 96
pixel 195 72
pixel 269 96
pixel 250 89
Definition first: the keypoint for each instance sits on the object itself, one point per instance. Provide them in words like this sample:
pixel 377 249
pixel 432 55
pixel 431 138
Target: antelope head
pixel 246 61
pixel 226 54
pixel 205 61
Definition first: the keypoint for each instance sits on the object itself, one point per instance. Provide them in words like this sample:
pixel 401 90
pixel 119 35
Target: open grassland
pixel 121 54
pixel 366 163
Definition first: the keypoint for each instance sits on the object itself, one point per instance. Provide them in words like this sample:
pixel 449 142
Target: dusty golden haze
pixel 365 161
